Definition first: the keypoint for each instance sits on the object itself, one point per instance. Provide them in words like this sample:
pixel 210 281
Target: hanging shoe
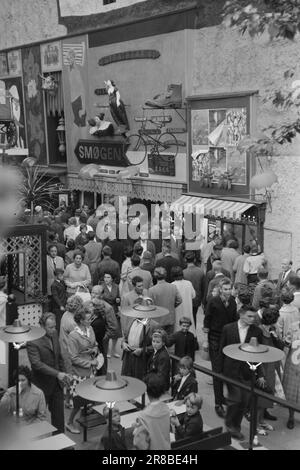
pixel 172 98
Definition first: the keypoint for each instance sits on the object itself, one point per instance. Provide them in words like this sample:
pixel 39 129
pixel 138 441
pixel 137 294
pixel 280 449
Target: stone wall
pixel 26 21
pixel 224 61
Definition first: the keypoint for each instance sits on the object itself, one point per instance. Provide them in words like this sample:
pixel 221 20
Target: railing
pixel 256 393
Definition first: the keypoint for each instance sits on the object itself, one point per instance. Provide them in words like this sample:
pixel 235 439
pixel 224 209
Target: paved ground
pixel 279 439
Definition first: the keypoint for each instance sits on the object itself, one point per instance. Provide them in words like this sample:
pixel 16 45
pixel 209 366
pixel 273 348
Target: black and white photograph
pixel 149 229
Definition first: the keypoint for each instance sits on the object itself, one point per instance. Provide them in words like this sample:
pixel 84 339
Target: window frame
pixel 247 100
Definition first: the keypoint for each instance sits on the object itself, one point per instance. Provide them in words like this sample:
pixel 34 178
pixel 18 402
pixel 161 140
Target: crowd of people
pixel 90 281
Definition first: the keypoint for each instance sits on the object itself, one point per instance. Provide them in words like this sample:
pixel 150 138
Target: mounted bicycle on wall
pixel 151 140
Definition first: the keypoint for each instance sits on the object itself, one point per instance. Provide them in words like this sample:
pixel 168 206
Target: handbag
pixel 204 351
pixel 84 294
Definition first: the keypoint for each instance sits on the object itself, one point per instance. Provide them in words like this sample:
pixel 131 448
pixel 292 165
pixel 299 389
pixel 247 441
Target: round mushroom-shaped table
pixel 254 354
pixel 110 389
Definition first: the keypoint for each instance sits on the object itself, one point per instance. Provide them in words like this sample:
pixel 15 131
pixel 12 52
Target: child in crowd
pixel 118 432
pixel 59 296
pixel 185 381
pixel 190 423
pixel 159 361
pixel 185 342
pixel 155 417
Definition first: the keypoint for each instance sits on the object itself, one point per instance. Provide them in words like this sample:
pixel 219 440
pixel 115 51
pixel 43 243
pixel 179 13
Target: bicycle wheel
pixel 167 143
pixel 136 149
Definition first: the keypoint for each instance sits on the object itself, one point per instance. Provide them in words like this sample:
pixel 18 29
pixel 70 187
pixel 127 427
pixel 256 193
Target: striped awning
pixel 211 207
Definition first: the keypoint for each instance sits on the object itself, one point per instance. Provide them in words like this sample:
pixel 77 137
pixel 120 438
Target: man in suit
pixel 59 296
pixel 286 273
pixel 165 295
pixel 167 261
pixel 240 331
pixel 47 367
pixel 220 311
pixel 145 243
pixel 107 265
pixel 53 262
pixel 138 271
pixel 196 276
pixel 93 251
pixel 216 272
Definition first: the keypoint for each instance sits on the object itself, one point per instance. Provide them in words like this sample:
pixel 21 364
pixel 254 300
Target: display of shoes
pixel 71 428
pixel 172 98
pixel 270 417
pixel 220 411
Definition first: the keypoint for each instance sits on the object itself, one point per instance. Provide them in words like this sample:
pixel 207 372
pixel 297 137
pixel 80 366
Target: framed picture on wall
pixel 51 57
pixel 14 63
pixel 3 65
pixel 63 198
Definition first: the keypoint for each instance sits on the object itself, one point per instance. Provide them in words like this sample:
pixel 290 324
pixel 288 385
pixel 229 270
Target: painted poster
pixel 236 165
pixel 217 161
pixel 76 86
pixel 34 106
pixel 51 57
pixel 236 121
pixel 14 89
pixel 14 63
pixel 3 64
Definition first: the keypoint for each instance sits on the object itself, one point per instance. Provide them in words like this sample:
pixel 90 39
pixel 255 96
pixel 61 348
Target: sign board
pixel 106 152
pixel 161 164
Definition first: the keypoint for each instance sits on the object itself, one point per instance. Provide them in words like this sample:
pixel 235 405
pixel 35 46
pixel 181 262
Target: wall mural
pixel 75 82
pixel 31 62
pixel 14 88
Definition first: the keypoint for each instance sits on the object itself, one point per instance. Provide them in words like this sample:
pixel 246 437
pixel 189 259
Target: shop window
pixel 217 164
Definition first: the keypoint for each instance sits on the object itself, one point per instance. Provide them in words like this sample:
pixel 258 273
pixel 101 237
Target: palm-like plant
pixel 36 190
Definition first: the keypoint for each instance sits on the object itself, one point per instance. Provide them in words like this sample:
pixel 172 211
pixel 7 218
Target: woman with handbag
pixel 111 295
pixel 77 275
pixel 83 351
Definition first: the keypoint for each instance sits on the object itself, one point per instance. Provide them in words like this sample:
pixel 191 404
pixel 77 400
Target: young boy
pixel 155 417
pixel 185 381
pixel 118 432
pixel 59 296
pixel 159 361
pixel 185 342
pixel 191 423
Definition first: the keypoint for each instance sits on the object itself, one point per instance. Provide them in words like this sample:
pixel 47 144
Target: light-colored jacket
pixel 32 402
pixel 81 348
pixel 166 295
pixel 74 276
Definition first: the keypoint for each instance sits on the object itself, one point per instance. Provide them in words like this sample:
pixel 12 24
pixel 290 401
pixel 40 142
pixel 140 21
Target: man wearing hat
pixel 240 331
pixel 107 265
